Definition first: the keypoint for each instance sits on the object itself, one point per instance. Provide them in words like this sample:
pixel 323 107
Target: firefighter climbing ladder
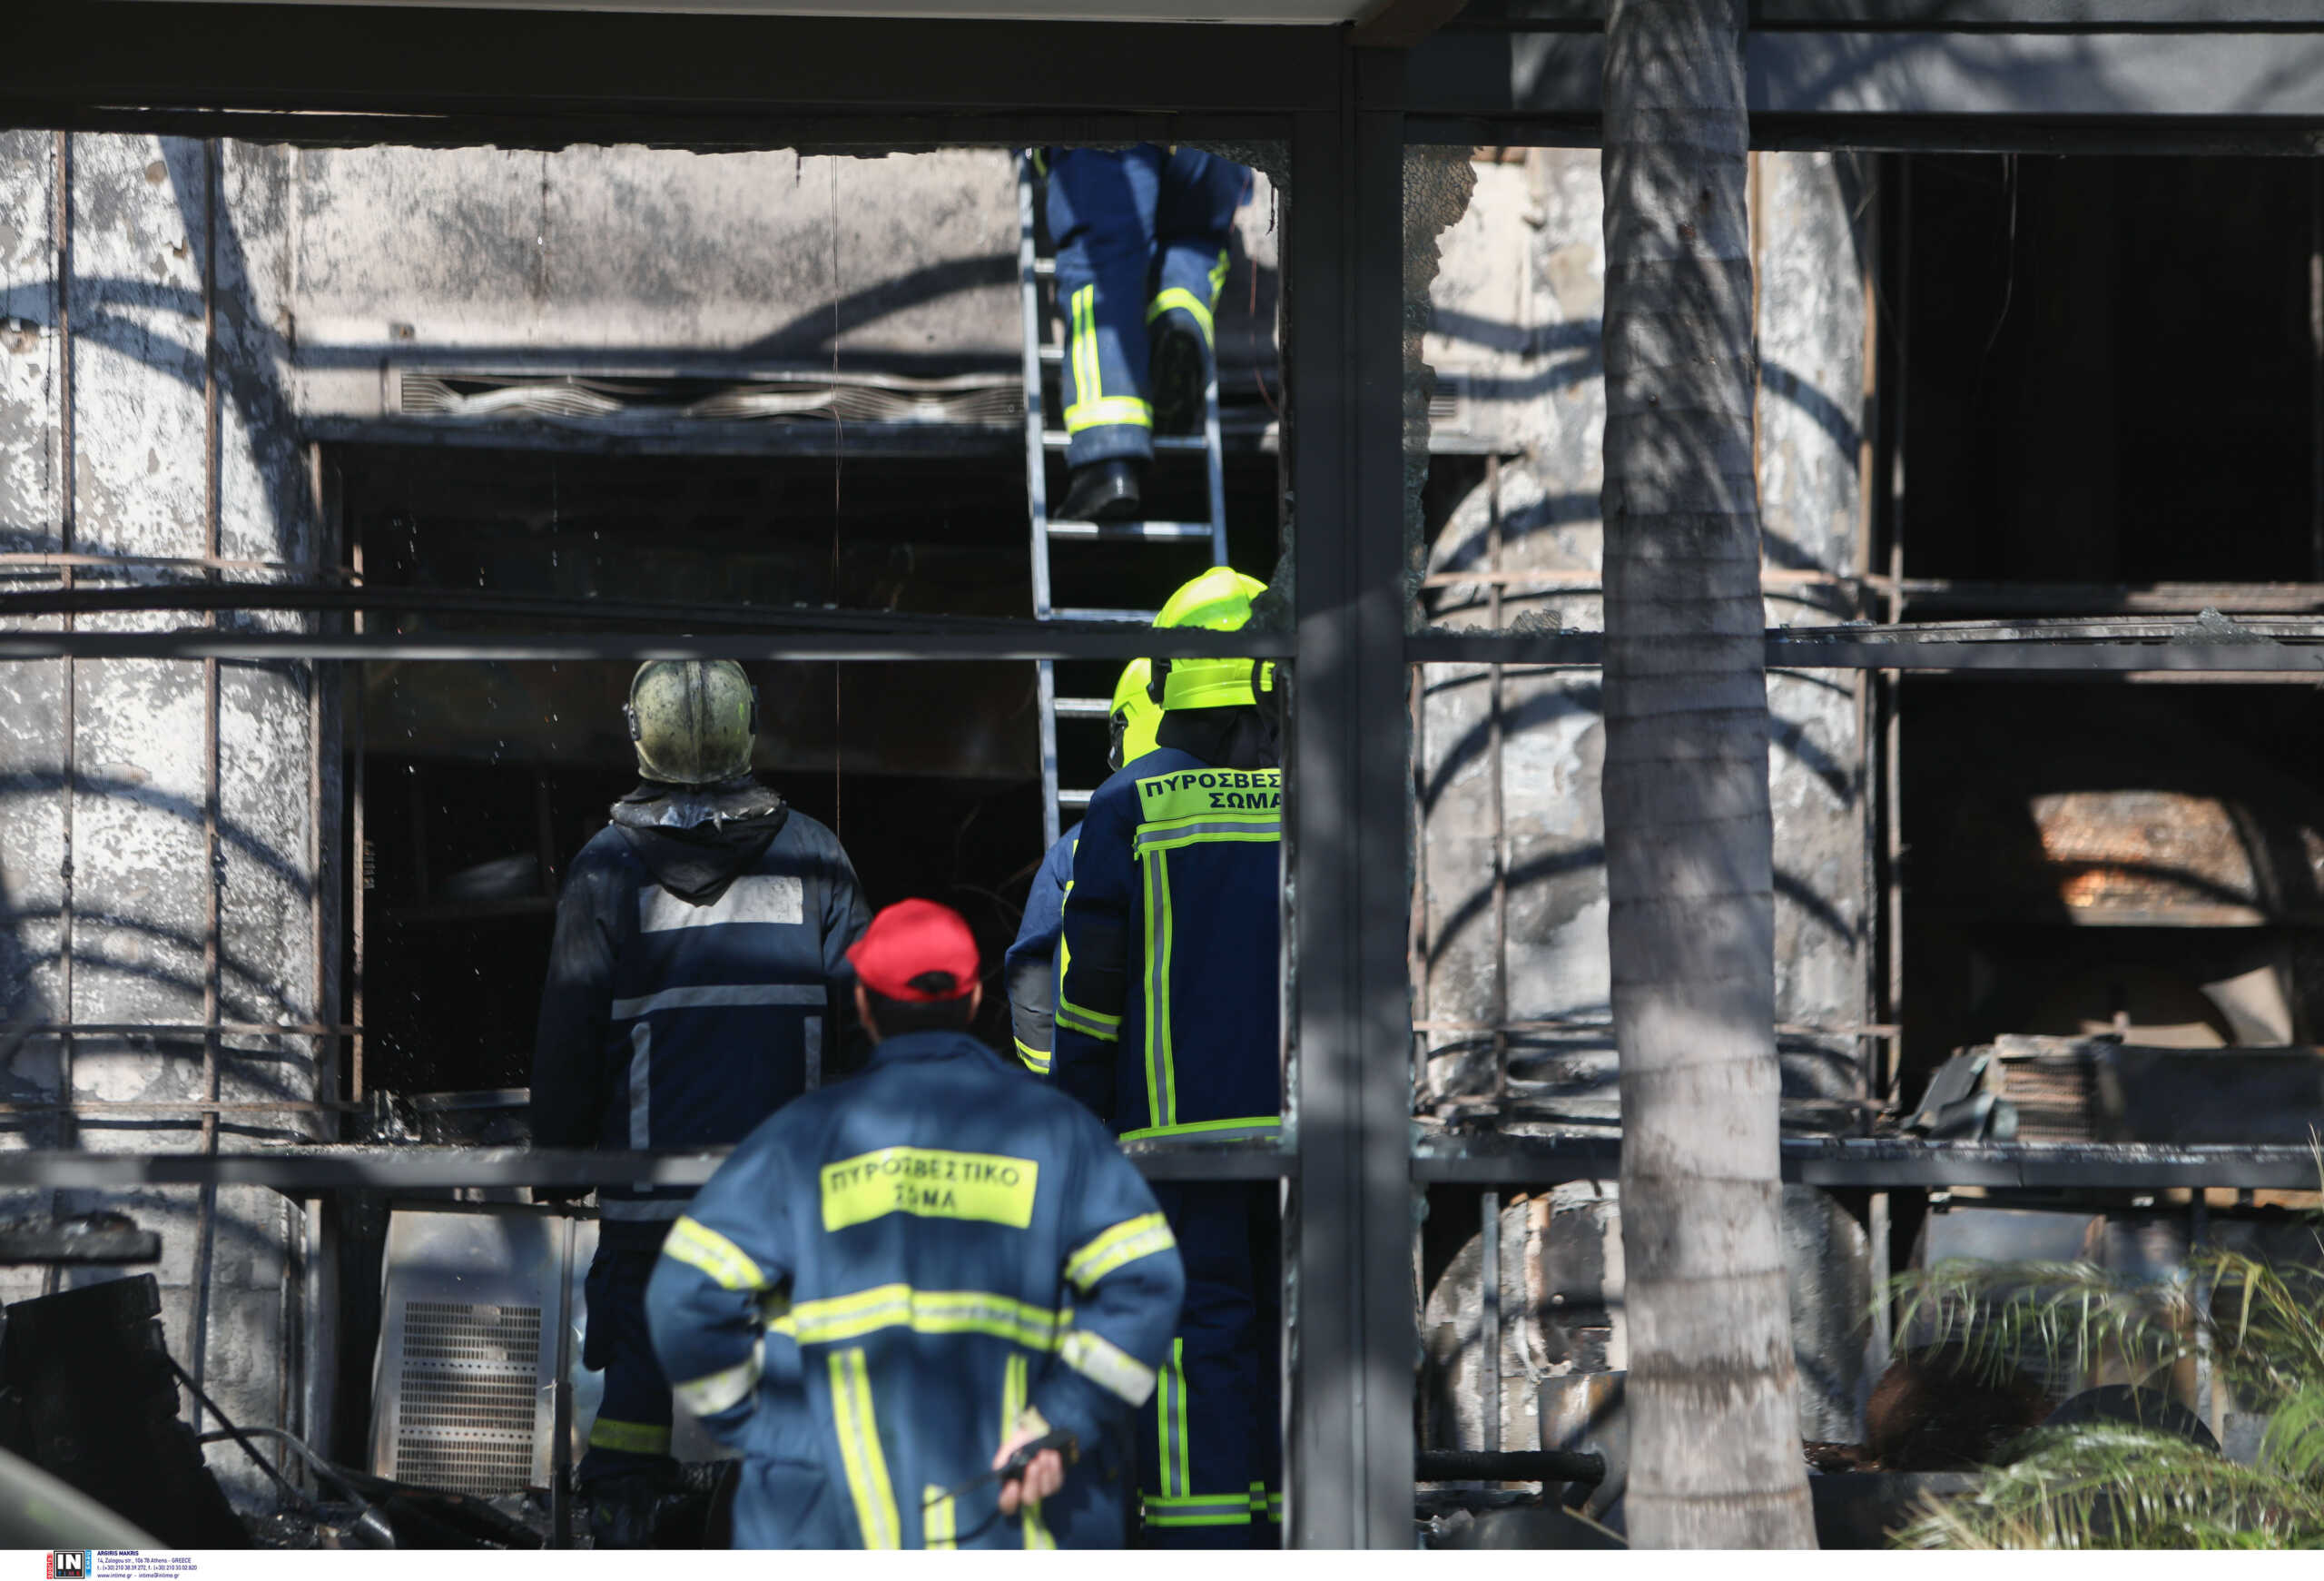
pixel 1032 269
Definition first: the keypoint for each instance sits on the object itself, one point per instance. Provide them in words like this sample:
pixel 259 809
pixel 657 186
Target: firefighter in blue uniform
pixel 1141 237
pixel 692 989
pixel 1167 1024
pixel 894 1284
pixel 1030 969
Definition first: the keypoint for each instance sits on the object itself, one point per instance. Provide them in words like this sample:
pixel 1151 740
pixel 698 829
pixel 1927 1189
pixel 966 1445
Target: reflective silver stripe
pixel 647 1208
pixel 716 997
pixel 815 1053
pixel 706 1396
pixel 773 897
pixel 1107 1366
pixel 1266 828
pixel 641 1086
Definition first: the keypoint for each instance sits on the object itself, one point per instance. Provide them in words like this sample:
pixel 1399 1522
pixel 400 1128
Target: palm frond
pixel 2265 1324
pixel 2294 1446
pixel 2062 1316
pixel 2101 1486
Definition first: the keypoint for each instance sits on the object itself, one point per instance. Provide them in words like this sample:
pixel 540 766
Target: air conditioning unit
pixel 475 1302
pixel 482 1306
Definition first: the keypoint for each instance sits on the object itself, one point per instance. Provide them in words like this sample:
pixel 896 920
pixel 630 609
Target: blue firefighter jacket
pixel 1030 967
pixel 1168 1012
pixel 887 1274
pixel 667 1023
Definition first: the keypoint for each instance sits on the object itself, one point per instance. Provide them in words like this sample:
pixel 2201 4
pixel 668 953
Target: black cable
pixel 2008 281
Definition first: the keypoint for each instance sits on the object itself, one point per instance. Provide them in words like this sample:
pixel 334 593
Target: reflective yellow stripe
pixel 899 1306
pixel 1164 1378
pixel 700 1246
pixel 938 1521
pixel 1064 950
pixel 1222 1509
pixel 1092 407
pixel 1218 274
pixel 1222 823
pixel 1150 876
pixel 1014 1381
pixel 859 1451
pixel 1089 1022
pixel 1212 834
pixel 1124 1243
pixel 631 1438
pixel 1035 1060
pixel 1084 336
pixel 1170 1423
pixel 1016 1407
pixel 1094 1017
pixel 1107 1366
pixel 1255 1125
pixel 1124 410
pixel 1185 1439
pixel 707 1396
pixel 1178 296
pixel 1103 1034
pixel 1161 1072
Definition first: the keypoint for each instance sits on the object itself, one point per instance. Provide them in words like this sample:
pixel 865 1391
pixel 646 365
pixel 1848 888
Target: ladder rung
pixel 1043 267
pixel 1140 616
pixel 1057 440
pixel 1083 707
pixel 1134 531
pixel 1053 354
pixel 1065 798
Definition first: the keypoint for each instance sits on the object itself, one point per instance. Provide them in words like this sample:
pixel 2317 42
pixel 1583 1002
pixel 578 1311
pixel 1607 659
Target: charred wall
pixel 1517 541
pixel 170 827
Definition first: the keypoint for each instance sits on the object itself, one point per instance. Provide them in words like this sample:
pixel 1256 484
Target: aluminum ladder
pixel 1032 269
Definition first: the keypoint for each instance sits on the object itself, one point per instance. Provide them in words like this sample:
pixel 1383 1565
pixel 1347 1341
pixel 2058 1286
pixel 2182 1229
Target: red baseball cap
pixel 910 939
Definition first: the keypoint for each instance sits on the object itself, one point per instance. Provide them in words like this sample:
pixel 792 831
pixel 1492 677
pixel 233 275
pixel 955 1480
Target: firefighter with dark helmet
pixel 695 984
pixel 1168 1025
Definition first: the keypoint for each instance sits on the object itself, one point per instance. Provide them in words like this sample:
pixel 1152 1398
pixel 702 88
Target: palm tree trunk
pixel 1690 843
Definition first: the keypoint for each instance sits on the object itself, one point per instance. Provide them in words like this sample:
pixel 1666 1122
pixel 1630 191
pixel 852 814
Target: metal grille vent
pixel 2056 1099
pixel 465 1406
pixel 1448 404
pixel 979 399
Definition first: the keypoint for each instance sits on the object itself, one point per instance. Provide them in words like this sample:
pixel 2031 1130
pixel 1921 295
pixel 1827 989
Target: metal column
pixel 1349 1405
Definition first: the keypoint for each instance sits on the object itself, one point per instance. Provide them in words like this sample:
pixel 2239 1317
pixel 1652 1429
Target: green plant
pixel 2109 1486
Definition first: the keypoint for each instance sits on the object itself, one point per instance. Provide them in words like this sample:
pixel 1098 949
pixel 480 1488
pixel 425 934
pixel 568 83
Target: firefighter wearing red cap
pixel 895 1284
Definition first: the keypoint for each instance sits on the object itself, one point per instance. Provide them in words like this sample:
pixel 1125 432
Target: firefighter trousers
pixel 631 1435
pixel 1140 233
pixel 1210 1444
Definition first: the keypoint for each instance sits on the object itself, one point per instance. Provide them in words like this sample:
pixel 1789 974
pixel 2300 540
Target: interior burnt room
pixel 494 385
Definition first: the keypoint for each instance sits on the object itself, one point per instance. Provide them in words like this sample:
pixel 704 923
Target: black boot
pixel 1102 491
pixel 1180 372
pixel 644 1509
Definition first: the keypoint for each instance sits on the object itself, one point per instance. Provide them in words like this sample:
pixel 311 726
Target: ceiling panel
pixel 1278 13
